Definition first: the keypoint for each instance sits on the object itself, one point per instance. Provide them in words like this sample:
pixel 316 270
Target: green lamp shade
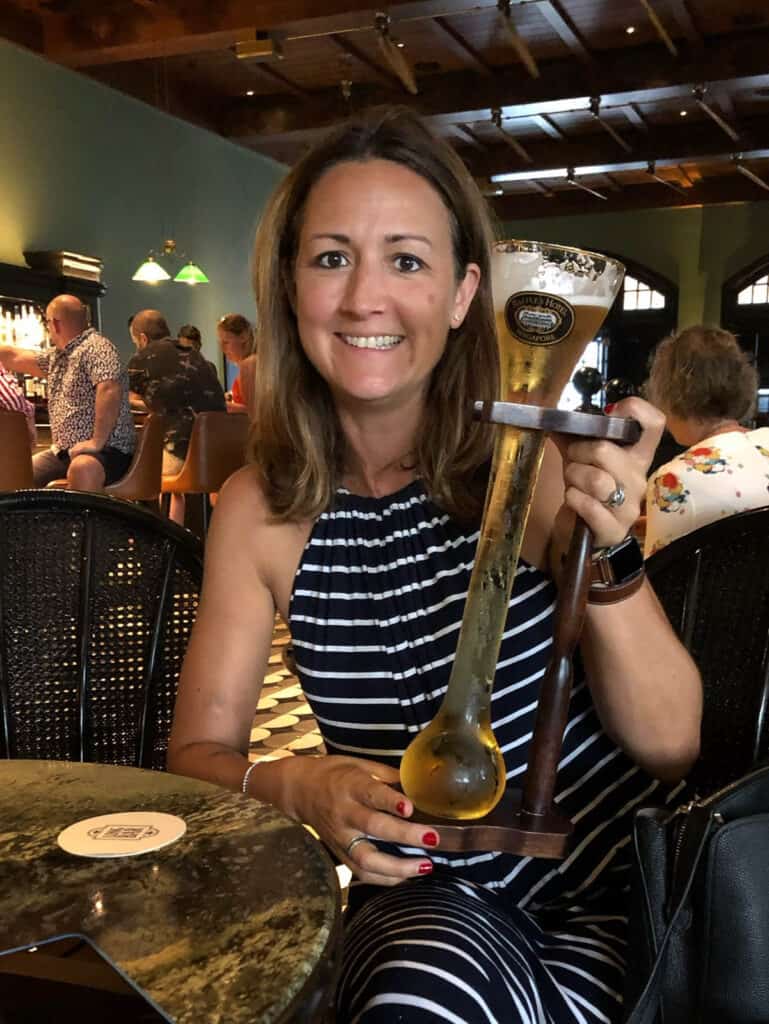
pixel 150 272
pixel 191 274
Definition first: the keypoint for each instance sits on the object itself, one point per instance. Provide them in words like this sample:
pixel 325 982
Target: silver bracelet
pixel 244 783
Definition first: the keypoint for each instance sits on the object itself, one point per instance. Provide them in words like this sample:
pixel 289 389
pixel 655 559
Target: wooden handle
pixel 545 749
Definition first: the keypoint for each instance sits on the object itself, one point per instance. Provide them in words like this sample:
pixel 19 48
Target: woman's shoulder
pixel 255 536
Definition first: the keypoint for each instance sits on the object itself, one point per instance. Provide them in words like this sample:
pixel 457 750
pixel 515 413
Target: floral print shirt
pixel 722 475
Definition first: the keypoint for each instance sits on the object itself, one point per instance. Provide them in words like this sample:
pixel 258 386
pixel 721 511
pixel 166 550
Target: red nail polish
pixel 426 868
pixel 608 408
pixel 430 839
pixel 400 807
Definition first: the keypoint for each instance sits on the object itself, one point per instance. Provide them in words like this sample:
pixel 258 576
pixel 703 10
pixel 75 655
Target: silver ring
pixel 616 498
pixel 354 842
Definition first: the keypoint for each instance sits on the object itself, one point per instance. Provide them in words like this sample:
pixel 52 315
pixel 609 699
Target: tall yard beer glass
pixel 550 300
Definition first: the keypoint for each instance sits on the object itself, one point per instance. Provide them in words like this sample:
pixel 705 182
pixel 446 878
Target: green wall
pixel 88 169
pixel 697 248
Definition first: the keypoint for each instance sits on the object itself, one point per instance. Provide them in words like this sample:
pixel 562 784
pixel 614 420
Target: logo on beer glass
pixel 539 318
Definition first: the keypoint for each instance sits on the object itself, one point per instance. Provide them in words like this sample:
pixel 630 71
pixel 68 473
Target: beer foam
pixel 527 272
pixel 575 291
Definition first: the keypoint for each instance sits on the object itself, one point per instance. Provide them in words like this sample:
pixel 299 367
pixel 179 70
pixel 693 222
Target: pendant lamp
pixel 152 272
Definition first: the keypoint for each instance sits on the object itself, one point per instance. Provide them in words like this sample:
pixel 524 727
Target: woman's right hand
pixel 344 797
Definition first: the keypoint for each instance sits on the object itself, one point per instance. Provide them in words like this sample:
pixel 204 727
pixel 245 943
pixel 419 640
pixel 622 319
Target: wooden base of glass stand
pixel 526 822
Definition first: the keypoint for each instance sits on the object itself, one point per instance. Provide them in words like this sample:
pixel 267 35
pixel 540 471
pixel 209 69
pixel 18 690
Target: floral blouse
pixel 722 475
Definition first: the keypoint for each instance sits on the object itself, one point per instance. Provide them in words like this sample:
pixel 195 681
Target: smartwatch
pixel 618 572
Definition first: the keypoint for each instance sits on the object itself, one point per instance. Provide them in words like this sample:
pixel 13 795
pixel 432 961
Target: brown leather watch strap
pixel 618 572
pixel 609 593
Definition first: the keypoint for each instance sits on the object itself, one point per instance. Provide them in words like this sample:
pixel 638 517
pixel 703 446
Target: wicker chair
pixel 714 586
pixel 97 600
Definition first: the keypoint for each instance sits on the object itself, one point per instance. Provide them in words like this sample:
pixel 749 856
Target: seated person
pixel 12 399
pixel 357 520
pixel 705 384
pixel 238 343
pixel 189 336
pixel 175 382
pixel 92 433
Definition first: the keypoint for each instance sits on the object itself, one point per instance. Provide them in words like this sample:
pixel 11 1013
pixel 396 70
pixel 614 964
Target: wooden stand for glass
pixel 525 821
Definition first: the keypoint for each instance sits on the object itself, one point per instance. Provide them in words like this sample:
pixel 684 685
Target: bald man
pixel 92 432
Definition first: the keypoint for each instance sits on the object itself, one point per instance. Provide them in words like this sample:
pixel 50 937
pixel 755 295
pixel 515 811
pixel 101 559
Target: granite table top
pixel 238 921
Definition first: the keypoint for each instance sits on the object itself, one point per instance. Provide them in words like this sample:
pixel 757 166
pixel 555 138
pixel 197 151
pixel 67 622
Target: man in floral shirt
pixel 92 432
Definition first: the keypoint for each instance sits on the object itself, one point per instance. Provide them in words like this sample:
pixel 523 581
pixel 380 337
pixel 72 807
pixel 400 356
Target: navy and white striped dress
pixel 375 615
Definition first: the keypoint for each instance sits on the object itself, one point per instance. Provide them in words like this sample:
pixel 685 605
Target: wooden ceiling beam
pixel 549 127
pixel 461 46
pixel 566 202
pixel 700 141
pixel 683 16
pixel 635 117
pixel 558 20
pixel 644 75
pixel 659 28
pixel 77 42
pixel 348 47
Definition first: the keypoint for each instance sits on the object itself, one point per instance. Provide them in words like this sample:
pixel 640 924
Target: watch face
pixel 626 560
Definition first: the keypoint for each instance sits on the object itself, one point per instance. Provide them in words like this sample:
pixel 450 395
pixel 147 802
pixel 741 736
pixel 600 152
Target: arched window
pixel 645 310
pixel 643 313
pixel 744 309
pixel 755 294
pixel 637 295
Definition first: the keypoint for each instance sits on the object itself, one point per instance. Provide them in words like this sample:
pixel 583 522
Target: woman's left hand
pixel 594 470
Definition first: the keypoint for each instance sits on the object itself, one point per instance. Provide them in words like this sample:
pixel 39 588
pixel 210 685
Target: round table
pixel 238 921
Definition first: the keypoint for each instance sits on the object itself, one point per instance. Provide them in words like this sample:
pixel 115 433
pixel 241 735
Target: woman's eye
pixel 407 263
pixel 331 260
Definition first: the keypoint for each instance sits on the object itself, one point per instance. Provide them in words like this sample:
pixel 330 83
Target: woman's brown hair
pixel 296 440
pixel 236 323
pixel 702 373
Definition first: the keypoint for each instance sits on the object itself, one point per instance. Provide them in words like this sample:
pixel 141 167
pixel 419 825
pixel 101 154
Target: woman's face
pixel 376 291
pixel 234 346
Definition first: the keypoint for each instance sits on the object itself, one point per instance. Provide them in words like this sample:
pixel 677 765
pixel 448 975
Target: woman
pixel 705 384
pixel 236 340
pixel 358 522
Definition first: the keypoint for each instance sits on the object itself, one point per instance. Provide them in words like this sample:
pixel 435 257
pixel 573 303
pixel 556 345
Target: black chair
pixel 714 586
pixel 97 600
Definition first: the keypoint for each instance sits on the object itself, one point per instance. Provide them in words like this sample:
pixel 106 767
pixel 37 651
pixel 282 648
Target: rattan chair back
pixel 714 586
pixel 97 600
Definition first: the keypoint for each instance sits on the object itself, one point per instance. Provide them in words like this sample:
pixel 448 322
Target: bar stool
pixel 217 448
pixel 141 481
pixel 15 452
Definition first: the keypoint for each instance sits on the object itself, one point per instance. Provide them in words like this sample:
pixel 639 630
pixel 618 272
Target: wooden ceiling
pixel 557 106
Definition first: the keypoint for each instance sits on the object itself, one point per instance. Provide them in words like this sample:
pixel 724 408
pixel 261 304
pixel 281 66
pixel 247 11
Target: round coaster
pixel 310 741
pixel 266 703
pixel 273 677
pixel 281 722
pixel 275 659
pixel 258 734
pixel 281 641
pixel 124 834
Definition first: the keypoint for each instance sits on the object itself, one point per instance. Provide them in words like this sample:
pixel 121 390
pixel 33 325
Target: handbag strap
pixel 647 1007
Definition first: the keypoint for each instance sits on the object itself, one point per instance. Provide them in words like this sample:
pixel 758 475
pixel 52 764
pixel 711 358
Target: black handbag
pixel 699 932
